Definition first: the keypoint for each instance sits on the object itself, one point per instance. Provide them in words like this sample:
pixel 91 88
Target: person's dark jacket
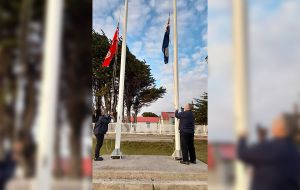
pixel 101 125
pixel 7 168
pixel 187 121
pixel 95 118
pixel 276 164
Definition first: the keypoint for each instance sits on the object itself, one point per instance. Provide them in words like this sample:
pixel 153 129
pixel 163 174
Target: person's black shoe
pixel 184 162
pixel 98 159
pixel 193 162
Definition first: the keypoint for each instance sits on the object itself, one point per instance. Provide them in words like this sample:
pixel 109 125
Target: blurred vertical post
pixel 117 151
pixel 177 153
pixel 49 94
pixel 240 81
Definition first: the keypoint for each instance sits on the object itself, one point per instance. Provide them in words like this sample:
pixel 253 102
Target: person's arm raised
pixel 179 115
pixel 260 153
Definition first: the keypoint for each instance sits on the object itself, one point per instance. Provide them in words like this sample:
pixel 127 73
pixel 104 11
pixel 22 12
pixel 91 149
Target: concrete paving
pixel 148 172
pixel 57 184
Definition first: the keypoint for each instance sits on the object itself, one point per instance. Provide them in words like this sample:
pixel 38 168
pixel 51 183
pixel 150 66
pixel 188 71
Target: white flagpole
pixel 177 153
pixel 49 92
pixel 117 152
pixel 240 82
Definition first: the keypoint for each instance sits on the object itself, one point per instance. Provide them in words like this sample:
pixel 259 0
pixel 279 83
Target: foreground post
pixel 177 153
pixel 117 154
pixel 49 91
pixel 240 82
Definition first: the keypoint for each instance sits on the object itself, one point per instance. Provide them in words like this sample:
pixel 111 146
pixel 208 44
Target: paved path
pixel 148 172
pixel 57 184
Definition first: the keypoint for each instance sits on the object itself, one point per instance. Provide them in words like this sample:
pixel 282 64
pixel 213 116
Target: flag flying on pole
pixel 112 50
pixel 165 45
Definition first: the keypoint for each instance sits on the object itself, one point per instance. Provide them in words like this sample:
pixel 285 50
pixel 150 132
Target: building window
pixel 148 124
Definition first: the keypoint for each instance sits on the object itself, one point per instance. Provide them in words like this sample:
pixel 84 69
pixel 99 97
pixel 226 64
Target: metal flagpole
pixel 117 152
pixel 240 82
pixel 49 91
pixel 177 153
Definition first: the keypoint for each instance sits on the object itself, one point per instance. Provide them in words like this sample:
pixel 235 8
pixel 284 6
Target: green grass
pixel 151 148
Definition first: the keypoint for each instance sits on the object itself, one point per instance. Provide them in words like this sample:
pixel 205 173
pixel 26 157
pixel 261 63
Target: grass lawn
pixel 151 148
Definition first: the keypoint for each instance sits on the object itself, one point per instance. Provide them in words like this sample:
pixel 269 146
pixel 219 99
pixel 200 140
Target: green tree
pixel 146 97
pixel 140 87
pixel 104 92
pixel 200 109
pixel 149 114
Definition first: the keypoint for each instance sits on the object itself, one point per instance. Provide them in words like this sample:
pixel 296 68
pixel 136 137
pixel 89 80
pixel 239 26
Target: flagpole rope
pixel 115 66
pixel 169 19
pixel 169 8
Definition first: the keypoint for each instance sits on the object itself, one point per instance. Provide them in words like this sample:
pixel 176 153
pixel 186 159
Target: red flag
pixel 112 50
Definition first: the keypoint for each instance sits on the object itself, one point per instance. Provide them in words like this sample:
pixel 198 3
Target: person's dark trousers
pixel 100 139
pixel 187 147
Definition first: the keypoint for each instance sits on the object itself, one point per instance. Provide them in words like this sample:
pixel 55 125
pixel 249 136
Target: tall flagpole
pixel 117 154
pixel 177 153
pixel 240 82
pixel 49 92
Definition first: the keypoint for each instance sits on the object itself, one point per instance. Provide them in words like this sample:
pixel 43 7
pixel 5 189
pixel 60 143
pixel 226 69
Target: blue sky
pixel 146 25
pixel 274 67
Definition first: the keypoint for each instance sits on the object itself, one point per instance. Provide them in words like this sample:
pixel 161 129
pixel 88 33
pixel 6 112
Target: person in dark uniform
pixel 100 130
pixel 276 163
pixel 8 163
pixel 96 115
pixel 261 133
pixel 187 130
pixel 7 167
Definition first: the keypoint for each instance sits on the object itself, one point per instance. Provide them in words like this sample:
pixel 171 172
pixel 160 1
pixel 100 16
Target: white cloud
pixel 136 47
pixel 191 85
pixel 138 16
pixel 162 7
pixel 200 5
pixel 184 62
pixel 220 115
pixel 274 60
pixel 108 25
pixel 273 67
pixel 104 6
pixel 146 26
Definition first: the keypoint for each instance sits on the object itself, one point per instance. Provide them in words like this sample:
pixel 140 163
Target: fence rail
pixel 154 129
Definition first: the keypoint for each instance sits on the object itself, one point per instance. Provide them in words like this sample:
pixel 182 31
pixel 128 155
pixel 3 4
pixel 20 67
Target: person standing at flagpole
pixel 275 162
pixel 187 130
pixel 100 130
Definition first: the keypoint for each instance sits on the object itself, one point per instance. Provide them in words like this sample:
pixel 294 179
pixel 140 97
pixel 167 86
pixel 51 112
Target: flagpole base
pixel 177 155
pixel 116 154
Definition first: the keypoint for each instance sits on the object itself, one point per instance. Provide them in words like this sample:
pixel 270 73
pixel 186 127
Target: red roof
pixel 210 157
pixel 167 115
pixel 227 151
pixel 146 119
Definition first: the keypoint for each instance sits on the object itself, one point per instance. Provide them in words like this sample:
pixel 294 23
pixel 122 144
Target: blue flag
pixel 165 45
